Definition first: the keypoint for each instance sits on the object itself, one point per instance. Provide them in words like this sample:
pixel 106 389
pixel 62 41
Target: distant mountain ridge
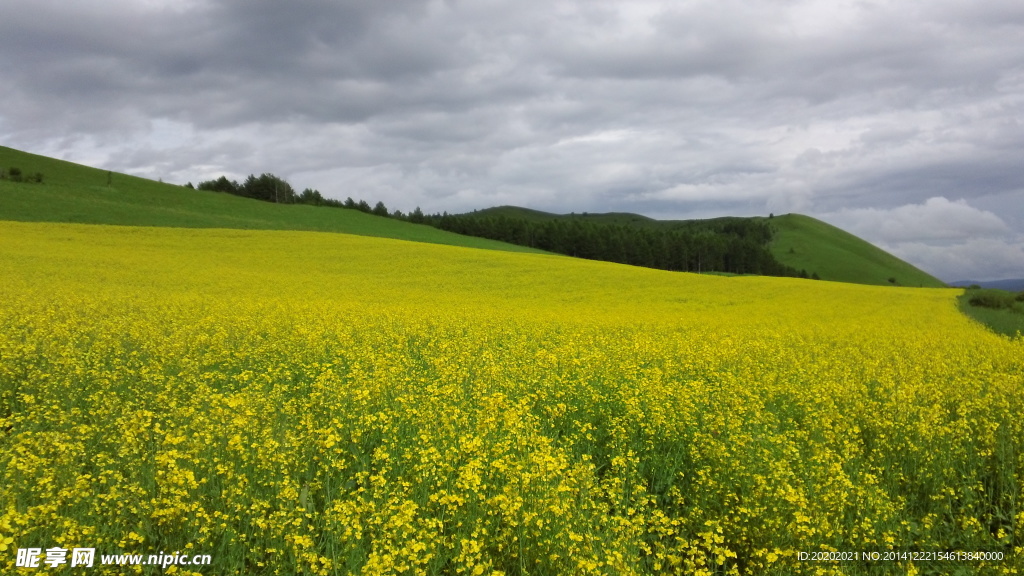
pixel 1010 284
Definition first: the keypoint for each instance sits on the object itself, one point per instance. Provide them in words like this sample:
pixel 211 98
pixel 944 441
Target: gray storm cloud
pixel 903 118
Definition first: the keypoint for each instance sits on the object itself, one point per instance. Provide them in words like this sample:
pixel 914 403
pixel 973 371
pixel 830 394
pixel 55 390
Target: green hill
pixel 802 242
pixel 74 193
pixel 806 243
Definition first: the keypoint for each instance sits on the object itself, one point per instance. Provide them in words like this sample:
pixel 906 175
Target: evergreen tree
pixel 267 187
pixel 310 196
pixel 221 184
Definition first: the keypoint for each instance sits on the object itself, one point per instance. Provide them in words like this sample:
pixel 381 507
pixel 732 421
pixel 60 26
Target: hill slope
pixel 801 242
pixel 75 193
pixel 834 254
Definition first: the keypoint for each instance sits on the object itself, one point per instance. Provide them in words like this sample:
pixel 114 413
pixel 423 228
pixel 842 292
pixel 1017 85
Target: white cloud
pixel 935 219
pixel 973 259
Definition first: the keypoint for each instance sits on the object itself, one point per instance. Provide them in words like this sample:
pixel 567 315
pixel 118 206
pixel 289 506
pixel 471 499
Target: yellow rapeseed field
pixel 303 403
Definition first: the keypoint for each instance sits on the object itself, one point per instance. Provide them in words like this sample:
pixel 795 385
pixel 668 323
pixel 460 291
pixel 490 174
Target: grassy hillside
pixel 74 193
pixel 806 243
pixel 801 242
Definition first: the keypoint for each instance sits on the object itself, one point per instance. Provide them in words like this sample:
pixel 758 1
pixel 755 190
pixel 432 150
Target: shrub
pixel 996 299
pixel 14 174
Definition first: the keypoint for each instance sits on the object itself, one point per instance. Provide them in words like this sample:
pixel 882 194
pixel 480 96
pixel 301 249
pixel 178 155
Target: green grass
pixel 75 193
pixel 812 245
pixel 1007 319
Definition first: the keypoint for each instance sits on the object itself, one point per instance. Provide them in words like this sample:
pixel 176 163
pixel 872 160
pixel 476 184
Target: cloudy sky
pixel 898 120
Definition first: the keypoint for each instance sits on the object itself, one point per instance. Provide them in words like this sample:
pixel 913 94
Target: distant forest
pixel 731 245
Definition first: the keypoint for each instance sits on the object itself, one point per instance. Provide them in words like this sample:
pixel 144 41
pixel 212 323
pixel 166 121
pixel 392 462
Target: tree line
pixel 738 245
pixel 268 188
pixel 732 245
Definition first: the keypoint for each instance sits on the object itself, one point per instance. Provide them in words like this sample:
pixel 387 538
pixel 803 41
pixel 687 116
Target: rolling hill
pixel 808 243
pixel 801 242
pixel 74 193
